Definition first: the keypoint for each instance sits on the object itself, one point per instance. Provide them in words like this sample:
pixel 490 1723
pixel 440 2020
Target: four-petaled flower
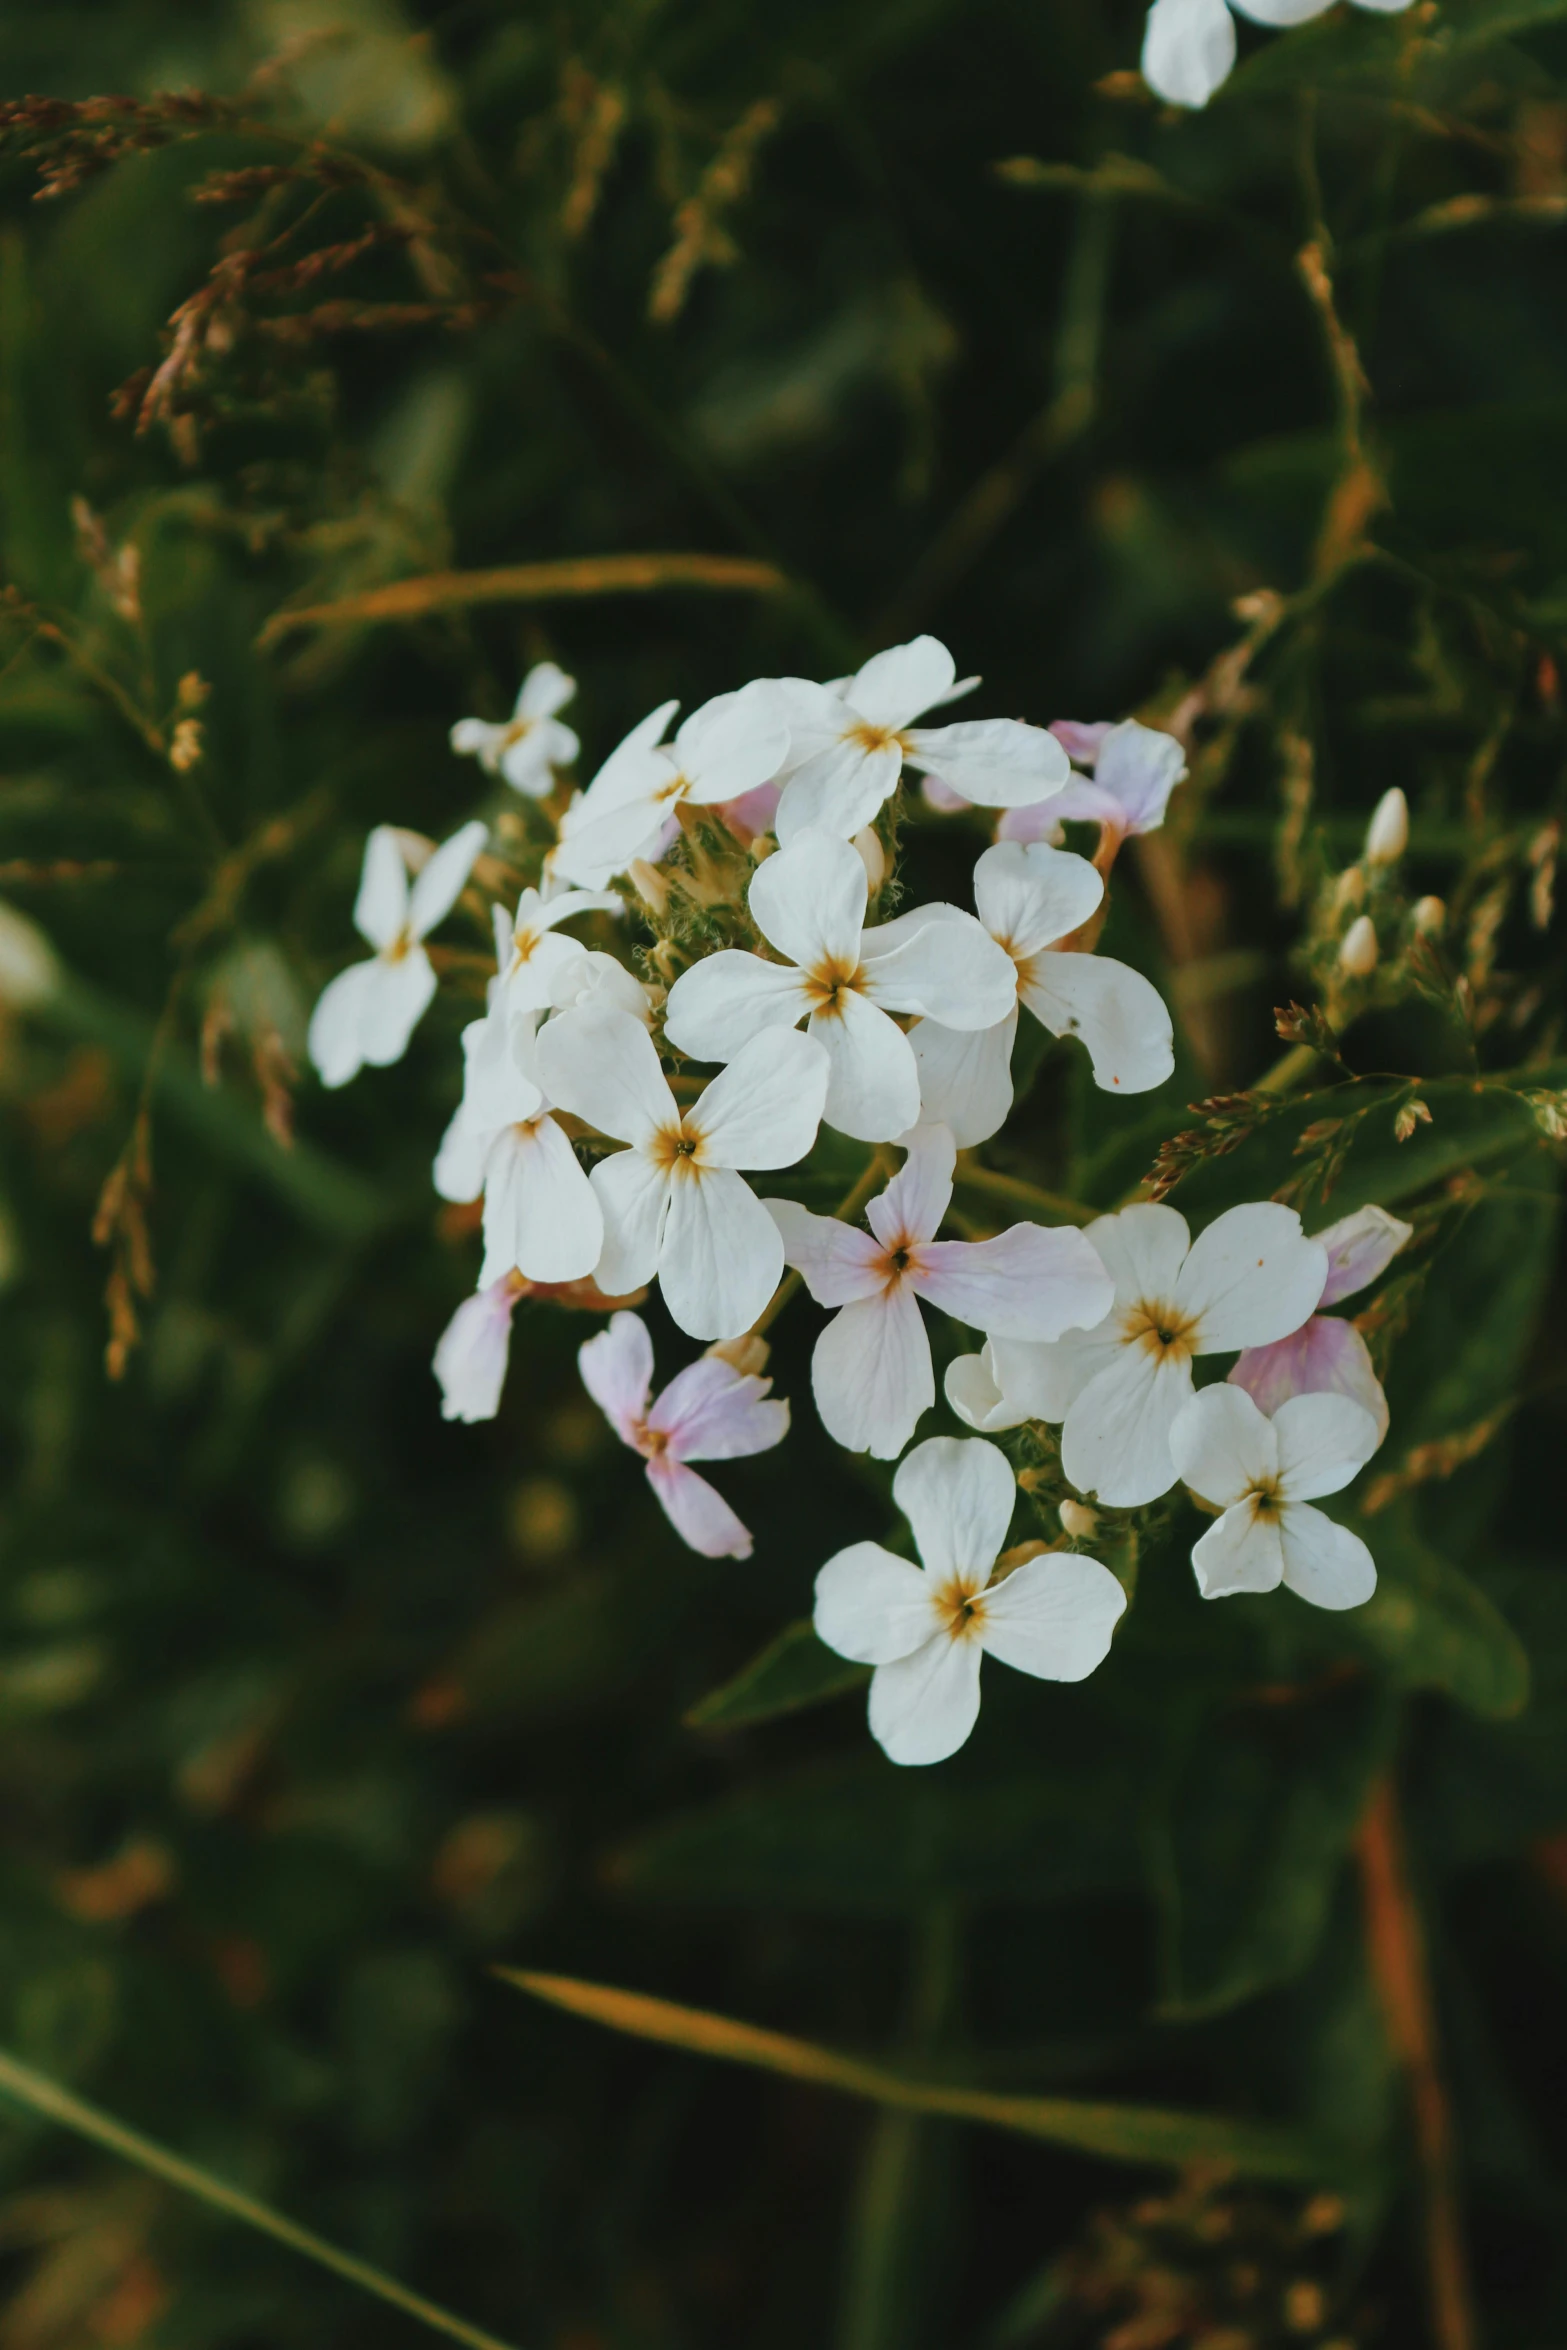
pixel 809 902
pixel 1189 45
pixel 871 1371
pixel 925 1627
pixel 1133 770
pixel 541 1214
pixel 848 743
pixel 675 1204
pixel 1264 1474
pixel 368 1012
pixel 1253 1276
pixel 530 952
pixel 532 742
pixel 1328 1356
pixel 1031 901
pixel 728 748
pixel 708 1412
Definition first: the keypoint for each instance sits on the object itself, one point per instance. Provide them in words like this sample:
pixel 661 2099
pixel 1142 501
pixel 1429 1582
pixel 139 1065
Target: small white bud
pixel 29 973
pixel 1357 954
pixel 1350 888
pixel 1387 835
pixel 1430 917
pixel 1078 1520
pixel 872 857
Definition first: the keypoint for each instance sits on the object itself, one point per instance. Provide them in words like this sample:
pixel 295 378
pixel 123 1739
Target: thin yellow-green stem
pixel 42 2096
pixel 1013 1190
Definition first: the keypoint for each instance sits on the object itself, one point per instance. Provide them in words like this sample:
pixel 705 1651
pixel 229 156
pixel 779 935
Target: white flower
pixel 1030 900
pixel 925 1628
pixel 368 1012
pixel 1189 45
pixel 1134 769
pixel 530 954
pixel 541 1215
pixel 1253 1276
pixel 674 1204
pixel 708 1412
pixel 871 1371
pixel 1328 1356
pixel 848 744
pixel 809 902
pixel 723 751
pixel 533 740
pixel 1264 1475
pixel 471 1356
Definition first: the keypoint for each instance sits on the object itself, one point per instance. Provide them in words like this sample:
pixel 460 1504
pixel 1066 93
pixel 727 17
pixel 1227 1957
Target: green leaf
pixel 793 1671
pixel 1431 1627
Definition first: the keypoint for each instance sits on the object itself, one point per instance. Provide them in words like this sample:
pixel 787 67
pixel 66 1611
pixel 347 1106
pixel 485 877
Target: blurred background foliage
pixel 313 1708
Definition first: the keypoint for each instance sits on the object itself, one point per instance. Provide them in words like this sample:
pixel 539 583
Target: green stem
pixel 1012 1190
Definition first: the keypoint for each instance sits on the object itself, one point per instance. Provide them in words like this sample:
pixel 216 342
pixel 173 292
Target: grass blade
pixel 533 583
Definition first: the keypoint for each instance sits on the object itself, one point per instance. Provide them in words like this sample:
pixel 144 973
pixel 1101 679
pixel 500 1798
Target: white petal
pixel 633 1197
pixel 1324 1356
pixel 596 982
pixel 626 773
pixel 764 1109
pixel 923 1707
pixel 499 1064
pixel 712 1412
pixel 872 1607
pixel 995 762
pixel 722 1254
pixel 393 1000
pixel 470 1358
pixel 948 970
pixel 809 900
pixel 717 1006
pixel 1324 1442
pixel 616 1368
pixel 698 1512
pixel 958 1494
pixel 837 1262
pixel 1028 897
pixel 871 1374
pixel 892 688
pixel 873 1082
pixel 532 984
pixel 965 1076
pixel 459 1163
pixel 814 715
pixel 973 1390
pixel 1282 13
pixel 381 908
pixel 1043 1382
pixel 729 746
pixel 602 841
pixel 1223 1446
pixel 914 1202
pixel 1359 1248
pixel 1239 1552
pixel 544 690
pixel 541 1214
pixel 1251 1277
pixel 1139 766
pixel 1143 1249
pixel 1117 1013
pixel 1034 1282
pixel 837 790
pixel 603 1066
pixel 1323 1562
pixel 443 879
pixel 528 764
pixel 1053 1616
pixel 1188 49
pixel 1115 1441
pixel 333 1039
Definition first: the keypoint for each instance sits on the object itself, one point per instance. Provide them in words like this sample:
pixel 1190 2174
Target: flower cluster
pixel 623 1108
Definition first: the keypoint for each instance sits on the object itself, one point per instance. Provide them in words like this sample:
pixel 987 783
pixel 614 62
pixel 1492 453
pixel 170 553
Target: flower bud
pixel 1350 888
pixel 649 884
pixel 1357 954
pixel 28 971
pixel 1430 917
pixel 1078 1520
pixel 1387 835
pixel 872 857
pixel 746 1354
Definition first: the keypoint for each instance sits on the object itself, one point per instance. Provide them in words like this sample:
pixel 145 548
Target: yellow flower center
pixel 875 738
pixel 961 1606
pixel 1160 1329
pixel 678 1150
pixel 829 982
pixel 1267 1500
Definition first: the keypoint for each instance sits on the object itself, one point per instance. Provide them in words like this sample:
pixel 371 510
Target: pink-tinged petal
pixel 1029 897
pixel 995 762
pixel 958 1494
pixel 973 1390
pixel 923 1708
pixel 1033 1282
pixel 1053 1617
pixel 1081 739
pixel 336 1024
pixel 392 1002
pixel 1359 1248
pixel 381 908
pixel 697 1511
pixel 808 901
pixel 949 969
pixel 837 790
pixel 717 1006
pixel 471 1357
pixel 1324 1443
pixel 1253 1276
pixel 1115 1441
pixel 1143 1249
pixel 1118 1014
pixel 603 1066
pixel 722 1254
pixel 1239 1552
pixel 838 1263
pixel 1223 1446
pixel 764 1109
pixel 712 1412
pixel 1188 50
pixel 616 1368
pixel 1324 1357
pixel 1140 766
pixel 541 1214
pixel 892 688
pixel 871 1374
pixel 1323 1562
pixel 965 1077
pixel 1077 802
pixel 633 1197
pixel 941 796
pixel 873 1608
pixel 914 1202
pixel 442 880
pixel 1042 822
pixel 873 1082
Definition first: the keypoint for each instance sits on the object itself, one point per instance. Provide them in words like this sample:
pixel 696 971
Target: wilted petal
pixel 1323 1562
pixel 1359 1248
pixel 871 1374
pixel 1029 897
pixel 1239 1552
pixel 1223 1446
pixel 712 1412
pixel 616 1368
pixel 1033 1282
pixel 1188 49
pixel 809 900
pixel 1118 1014
pixel 717 1006
pixel 838 1263
pixel 958 1494
pixel 603 1066
pixel 722 1254
pixel 381 908
pixel 892 688
pixel 965 1076
pixel 1325 1357
pixel 1115 1442
pixel 923 1707
pixel 764 1109
pixel 1253 1276
pixel 873 1608
pixel 699 1514
pixel 470 1359
pixel 995 762
pixel 1324 1442
pixel 1053 1616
